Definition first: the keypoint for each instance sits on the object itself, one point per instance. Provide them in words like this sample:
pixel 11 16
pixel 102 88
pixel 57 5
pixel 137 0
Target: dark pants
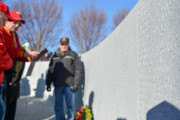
pixel 2 102
pixel 10 110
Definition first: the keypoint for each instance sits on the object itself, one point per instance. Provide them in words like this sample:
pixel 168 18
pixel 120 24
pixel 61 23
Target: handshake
pixel 74 88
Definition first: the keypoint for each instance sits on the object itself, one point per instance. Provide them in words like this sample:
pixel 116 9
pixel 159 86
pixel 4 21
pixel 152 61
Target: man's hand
pixel 75 88
pixel 32 54
pixel 14 84
pixel 48 88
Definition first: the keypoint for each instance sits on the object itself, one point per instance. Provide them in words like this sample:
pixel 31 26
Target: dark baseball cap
pixel 64 40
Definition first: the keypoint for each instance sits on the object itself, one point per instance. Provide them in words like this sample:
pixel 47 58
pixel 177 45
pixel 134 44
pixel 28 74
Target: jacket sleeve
pixel 5 60
pixel 18 71
pixel 12 51
pixel 78 70
pixel 21 53
pixel 49 74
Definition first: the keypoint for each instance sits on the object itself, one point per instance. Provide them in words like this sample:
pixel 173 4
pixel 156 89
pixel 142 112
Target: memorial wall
pixel 134 74
pixel 159 59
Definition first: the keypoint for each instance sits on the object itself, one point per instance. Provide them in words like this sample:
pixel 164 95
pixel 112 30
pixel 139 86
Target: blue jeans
pixel 2 103
pixel 59 107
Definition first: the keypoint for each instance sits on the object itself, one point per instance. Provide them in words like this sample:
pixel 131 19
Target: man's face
pixel 13 26
pixel 46 54
pixel 64 47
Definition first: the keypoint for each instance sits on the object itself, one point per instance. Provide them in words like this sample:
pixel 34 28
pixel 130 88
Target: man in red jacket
pixel 11 40
pixel 5 60
pixel 10 46
pixel 9 37
pixel 14 52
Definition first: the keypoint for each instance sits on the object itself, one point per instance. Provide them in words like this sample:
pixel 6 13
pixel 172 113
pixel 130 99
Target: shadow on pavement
pixel 24 87
pixel 39 91
pixel 163 111
pixel 121 119
pixel 32 108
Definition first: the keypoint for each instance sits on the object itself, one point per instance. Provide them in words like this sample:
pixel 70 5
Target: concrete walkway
pixel 33 108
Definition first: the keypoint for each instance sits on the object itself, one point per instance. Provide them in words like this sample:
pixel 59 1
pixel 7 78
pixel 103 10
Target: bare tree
pixel 43 22
pixel 87 28
pixel 119 17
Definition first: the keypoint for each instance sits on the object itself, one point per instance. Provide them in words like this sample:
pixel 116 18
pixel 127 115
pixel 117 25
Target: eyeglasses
pixel 18 22
pixel 64 44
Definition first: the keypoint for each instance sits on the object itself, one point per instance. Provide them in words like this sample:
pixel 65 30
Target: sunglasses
pixel 18 22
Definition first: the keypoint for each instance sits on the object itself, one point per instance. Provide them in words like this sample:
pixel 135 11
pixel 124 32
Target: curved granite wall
pixel 159 59
pixel 134 74
pixel 111 73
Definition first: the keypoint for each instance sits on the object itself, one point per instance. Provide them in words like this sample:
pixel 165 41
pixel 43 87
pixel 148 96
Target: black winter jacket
pixel 65 69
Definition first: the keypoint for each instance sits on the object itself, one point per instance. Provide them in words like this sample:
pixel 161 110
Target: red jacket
pixel 10 47
pixel 5 61
pixel 11 41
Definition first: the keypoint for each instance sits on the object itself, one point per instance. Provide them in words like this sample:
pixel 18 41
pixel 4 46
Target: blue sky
pixel 109 6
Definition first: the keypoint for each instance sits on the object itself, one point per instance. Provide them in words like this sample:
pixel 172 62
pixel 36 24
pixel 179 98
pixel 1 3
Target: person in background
pixel 46 56
pixel 43 57
pixel 65 71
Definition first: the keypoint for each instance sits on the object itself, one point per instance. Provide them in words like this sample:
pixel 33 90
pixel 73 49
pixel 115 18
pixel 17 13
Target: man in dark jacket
pixel 65 71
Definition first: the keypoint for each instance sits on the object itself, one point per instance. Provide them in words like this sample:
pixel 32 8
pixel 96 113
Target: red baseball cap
pixel 16 15
pixel 5 9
